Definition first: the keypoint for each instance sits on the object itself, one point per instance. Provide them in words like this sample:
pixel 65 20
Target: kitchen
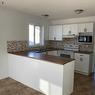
pixel 76 44
pixel 14 37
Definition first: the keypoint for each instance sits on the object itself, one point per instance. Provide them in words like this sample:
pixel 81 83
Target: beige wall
pixel 14 26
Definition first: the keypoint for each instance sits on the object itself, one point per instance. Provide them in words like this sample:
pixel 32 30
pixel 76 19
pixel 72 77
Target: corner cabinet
pixel 83 63
pixel 71 29
pixel 55 32
pixel 85 27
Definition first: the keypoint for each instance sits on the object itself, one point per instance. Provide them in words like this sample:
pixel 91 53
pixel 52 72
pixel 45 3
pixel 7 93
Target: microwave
pixel 86 39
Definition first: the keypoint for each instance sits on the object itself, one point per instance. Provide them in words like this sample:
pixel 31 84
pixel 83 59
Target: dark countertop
pixel 40 56
pixel 84 52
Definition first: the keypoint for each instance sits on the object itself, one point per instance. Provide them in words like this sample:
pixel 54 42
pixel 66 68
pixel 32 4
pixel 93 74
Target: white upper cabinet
pixel 74 29
pixel 85 27
pixel 58 33
pixel 71 29
pixel 55 32
pixel 51 33
pixel 89 27
pixel 81 28
pixel 66 30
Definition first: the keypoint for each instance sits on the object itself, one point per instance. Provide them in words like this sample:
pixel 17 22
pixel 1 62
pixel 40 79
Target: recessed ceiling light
pixel 45 15
pixel 3 2
pixel 79 11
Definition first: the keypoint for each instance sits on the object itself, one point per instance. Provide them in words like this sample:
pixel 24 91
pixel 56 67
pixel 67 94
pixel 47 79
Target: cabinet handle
pixel 85 30
pixel 54 38
pixel 69 32
pixel 81 59
pixel 81 55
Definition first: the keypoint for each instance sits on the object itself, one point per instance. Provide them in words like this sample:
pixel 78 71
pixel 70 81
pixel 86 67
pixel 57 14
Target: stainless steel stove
pixel 69 50
pixel 71 47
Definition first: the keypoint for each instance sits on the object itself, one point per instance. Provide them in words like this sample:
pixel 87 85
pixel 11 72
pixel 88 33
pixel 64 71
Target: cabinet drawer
pixel 84 56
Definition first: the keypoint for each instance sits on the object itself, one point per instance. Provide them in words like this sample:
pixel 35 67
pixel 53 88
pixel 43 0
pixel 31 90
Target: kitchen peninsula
pixel 51 75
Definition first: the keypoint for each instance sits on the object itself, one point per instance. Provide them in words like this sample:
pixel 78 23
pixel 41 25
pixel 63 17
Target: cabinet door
pixel 77 62
pixel 85 63
pixel 66 30
pixel 82 63
pixel 55 32
pixel 58 32
pixel 74 29
pixel 89 27
pixel 81 28
pixel 86 27
pixel 51 32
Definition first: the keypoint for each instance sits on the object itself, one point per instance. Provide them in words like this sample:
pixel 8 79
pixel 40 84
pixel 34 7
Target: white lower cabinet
pixel 44 76
pixel 83 63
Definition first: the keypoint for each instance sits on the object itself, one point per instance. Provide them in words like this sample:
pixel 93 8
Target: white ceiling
pixel 57 9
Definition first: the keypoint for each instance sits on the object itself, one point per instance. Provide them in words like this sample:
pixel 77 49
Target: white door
pixel 58 32
pixel 82 63
pixel 85 64
pixel 55 32
pixel 81 28
pixel 66 30
pixel 89 27
pixel 51 32
pixel 74 29
pixel 77 62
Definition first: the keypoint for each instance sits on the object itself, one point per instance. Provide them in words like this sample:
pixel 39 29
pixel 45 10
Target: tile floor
pixel 9 86
pixel 84 85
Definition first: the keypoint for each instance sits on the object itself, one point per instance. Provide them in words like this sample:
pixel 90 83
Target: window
pixel 36 35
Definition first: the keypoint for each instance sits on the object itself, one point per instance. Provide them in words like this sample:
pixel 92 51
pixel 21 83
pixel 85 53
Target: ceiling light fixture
pixel 79 11
pixel 3 2
pixel 46 15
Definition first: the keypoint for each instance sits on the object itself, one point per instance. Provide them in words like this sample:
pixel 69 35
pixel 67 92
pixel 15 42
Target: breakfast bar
pixel 51 75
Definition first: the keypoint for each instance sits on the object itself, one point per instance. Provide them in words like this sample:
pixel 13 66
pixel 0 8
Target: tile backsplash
pixel 88 48
pixel 60 44
pixel 71 41
pixel 15 46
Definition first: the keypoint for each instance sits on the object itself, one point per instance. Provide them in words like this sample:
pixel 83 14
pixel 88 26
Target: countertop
pixel 84 52
pixel 44 57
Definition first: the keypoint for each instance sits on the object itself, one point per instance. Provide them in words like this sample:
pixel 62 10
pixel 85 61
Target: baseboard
pixel 3 77
pixel 82 73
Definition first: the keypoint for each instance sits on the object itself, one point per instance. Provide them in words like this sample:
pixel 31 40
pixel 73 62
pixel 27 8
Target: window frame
pixel 34 44
pixel 39 35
